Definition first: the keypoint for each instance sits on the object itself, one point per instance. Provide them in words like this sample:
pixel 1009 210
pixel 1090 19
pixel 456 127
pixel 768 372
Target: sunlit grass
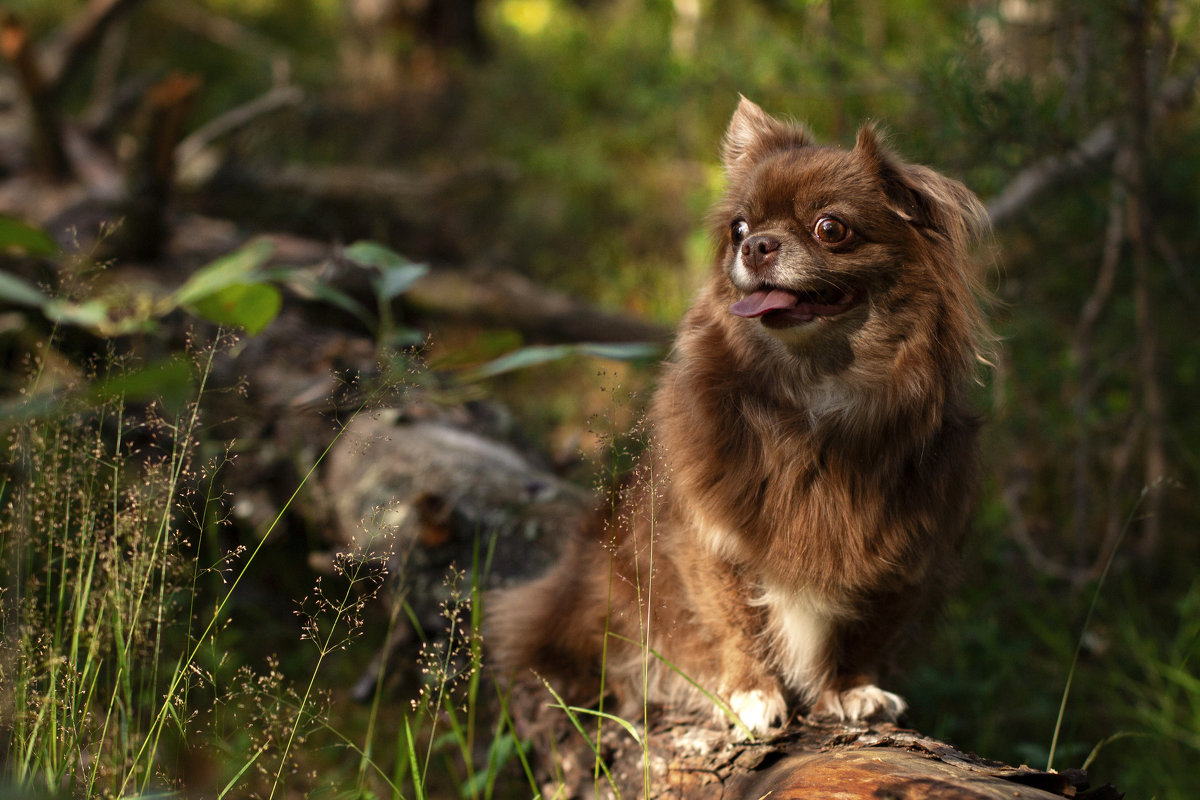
pixel 117 607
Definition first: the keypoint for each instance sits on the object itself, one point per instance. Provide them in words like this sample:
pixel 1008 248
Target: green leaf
pixel 16 290
pixel 239 268
pixel 373 254
pixel 530 356
pixel 232 290
pixel 88 314
pixel 535 355
pixel 629 727
pixel 96 315
pixel 395 281
pixel 24 238
pixel 401 338
pixel 621 351
pixel 309 287
pixel 169 380
pixel 247 305
pixel 396 273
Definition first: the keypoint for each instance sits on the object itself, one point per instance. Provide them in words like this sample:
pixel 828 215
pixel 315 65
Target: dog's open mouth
pixel 783 308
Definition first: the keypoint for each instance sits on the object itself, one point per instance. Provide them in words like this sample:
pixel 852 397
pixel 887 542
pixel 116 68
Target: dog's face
pixel 827 247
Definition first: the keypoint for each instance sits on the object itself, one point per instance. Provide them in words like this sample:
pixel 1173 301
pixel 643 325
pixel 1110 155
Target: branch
pixel 362 184
pixel 1018 530
pixel 239 117
pixel 1037 178
pixel 82 37
pixel 1100 144
pixel 508 300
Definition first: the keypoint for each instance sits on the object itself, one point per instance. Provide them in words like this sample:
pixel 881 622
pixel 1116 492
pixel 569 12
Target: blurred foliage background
pixel 574 143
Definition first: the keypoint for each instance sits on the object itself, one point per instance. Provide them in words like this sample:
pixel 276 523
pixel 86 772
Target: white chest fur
pixel 800 627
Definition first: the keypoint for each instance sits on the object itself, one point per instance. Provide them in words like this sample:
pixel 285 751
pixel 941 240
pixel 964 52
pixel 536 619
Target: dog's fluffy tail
pixel 552 627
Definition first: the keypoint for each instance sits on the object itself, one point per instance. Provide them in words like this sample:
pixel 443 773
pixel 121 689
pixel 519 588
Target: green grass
pixel 127 674
pixel 120 632
pixel 130 663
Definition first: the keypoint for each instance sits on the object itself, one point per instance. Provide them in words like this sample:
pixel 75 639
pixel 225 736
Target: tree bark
pixel 151 172
pixel 808 760
pixel 49 151
pixel 1141 13
pixel 82 37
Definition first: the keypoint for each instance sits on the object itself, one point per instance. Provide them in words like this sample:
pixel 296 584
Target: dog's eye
pixel 831 230
pixel 739 230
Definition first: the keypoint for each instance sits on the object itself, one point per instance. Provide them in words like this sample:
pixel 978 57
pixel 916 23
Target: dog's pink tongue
pixel 758 303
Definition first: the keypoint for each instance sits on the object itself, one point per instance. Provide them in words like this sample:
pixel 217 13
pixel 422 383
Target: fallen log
pixel 447 483
pixel 680 759
pixel 504 299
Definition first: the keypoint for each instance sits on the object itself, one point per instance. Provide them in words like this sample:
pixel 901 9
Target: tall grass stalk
pixel 646 615
pixel 1087 621
pixel 89 537
pixel 102 638
pixel 614 521
pixel 573 713
pixel 346 611
pixel 178 677
pixel 365 752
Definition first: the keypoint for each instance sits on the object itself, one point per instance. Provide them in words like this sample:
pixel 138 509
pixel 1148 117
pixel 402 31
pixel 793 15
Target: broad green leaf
pixel 247 305
pixel 309 286
pixel 621 351
pixel 88 314
pixel 96 315
pixel 402 338
pixel 24 238
pixel 396 273
pixel 530 356
pixel 16 290
pixel 239 268
pixel 169 381
pixel 373 254
pixel 395 281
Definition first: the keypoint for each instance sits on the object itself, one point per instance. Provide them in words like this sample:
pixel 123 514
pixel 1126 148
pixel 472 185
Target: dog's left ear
pixel 922 197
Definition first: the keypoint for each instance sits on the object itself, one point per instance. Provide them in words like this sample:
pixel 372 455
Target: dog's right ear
pixel 923 198
pixel 752 134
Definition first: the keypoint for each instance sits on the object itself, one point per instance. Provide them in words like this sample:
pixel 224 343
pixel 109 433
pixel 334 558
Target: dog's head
pixel 849 250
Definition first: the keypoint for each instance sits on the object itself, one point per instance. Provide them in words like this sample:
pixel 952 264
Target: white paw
pixel 758 710
pixel 861 703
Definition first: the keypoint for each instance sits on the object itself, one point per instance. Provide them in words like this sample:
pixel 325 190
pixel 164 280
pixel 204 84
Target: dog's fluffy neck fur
pixel 831 438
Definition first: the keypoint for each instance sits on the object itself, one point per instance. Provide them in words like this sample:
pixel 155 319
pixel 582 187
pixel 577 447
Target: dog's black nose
pixel 758 252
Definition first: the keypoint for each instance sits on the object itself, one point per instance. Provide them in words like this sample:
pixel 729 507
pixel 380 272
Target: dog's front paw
pixel 859 704
pixel 758 709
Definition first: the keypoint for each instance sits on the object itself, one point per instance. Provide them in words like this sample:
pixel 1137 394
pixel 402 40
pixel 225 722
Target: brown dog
pixel 813 458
